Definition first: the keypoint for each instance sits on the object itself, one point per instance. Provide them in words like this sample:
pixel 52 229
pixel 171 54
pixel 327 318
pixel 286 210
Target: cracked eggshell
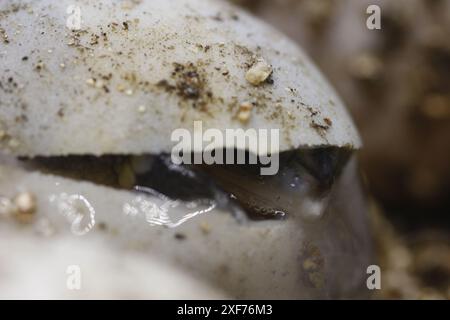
pixel 135 71
pixel 122 252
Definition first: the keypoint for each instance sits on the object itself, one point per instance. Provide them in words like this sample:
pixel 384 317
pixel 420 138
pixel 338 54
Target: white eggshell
pixel 101 90
pixel 212 253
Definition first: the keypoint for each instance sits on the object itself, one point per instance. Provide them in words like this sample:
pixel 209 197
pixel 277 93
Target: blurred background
pixel 396 83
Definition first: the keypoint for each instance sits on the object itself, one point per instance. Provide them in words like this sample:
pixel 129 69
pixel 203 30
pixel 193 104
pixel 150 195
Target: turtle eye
pixel 302 186
pixel 325 164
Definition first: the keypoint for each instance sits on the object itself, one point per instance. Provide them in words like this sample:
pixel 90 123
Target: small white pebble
pixel 99 84
pixel 142 109
pixel 245 112
pixel 259 72
pixel 25 202
pixel 25 207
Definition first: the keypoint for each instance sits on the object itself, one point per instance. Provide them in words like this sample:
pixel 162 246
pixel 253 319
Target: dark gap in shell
pixel 238 188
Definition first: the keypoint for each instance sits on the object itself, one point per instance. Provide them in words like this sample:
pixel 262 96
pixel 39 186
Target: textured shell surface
pixel 120 85
pixel 136 70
